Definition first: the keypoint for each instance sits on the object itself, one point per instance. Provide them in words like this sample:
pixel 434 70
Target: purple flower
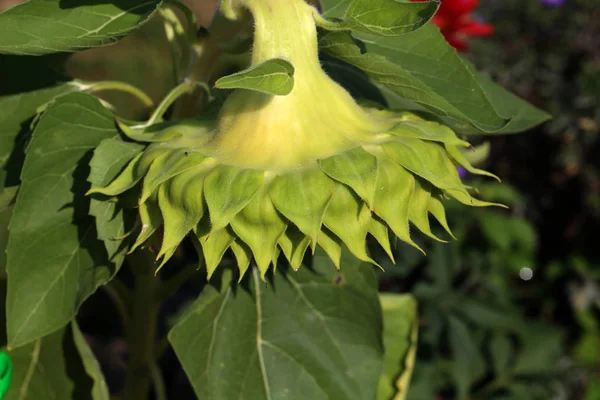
pixel 462 173
pixel 553 3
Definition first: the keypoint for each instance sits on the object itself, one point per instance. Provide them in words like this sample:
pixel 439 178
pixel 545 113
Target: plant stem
pixel 119 300
pixel 141 335
pixel 159 384
pixel 123 87
pixel 177 92
pixel 208 52
pixel 192 21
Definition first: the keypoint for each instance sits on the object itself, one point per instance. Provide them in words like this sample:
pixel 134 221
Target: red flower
pixel 456 24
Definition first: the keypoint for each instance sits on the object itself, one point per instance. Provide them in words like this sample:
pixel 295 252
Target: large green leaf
pixel 6 208
pixel 433 83
pixel 427 56
pixel 380 17
pixel 108 161
pixel 54 259
pixel 312 334
pixel 422 68
pixel 521 114
pixel 50 26
pixel 400 326
pixel 58 366
pixel 19 99
pixel 334 8
pixel 91 365
pixel 353 79
pixel 274 76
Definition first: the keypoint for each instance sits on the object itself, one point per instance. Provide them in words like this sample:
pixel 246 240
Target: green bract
pixel 284 173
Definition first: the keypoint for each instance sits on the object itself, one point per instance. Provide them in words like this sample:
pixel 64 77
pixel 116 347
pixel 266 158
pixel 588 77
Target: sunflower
pixel 272 174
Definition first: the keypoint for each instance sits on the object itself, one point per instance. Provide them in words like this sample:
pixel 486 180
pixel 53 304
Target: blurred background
pixel 511 309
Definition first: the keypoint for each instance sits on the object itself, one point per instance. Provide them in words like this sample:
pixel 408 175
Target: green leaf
pixel 421 67
pixel 91 365
pixel 312 334
pixel 502 352
pixel 58 366
pixel 541 346
pixel 108 161
pixel 486 315
pixel 593 390
pixel 443 261
pixel 54 258
pixel 426 56
pixel 353 79
pixel 6 211
pixel 521 115
pixel 389 17
pixel 494 228
pixel 425 380
pixel 18 104
pixel 275 76
pixel 334 8
pixel 383 17
pixel 400 327
pixel 448 94
pixel 49 26
pixel 469 365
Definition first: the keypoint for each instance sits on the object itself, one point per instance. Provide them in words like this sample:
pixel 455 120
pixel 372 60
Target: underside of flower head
pixel 279 174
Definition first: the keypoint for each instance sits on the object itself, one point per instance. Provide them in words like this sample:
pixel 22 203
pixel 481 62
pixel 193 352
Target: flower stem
pixel 120 301
pixel 122 86
pixel 141 335
pixel 159 383
pixel 177 92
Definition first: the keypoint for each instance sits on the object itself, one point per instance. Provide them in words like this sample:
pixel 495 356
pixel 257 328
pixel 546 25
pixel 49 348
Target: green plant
pixel 478 341
pixel 277 157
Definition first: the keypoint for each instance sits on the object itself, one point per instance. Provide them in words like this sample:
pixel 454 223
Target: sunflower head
pixel 281 174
